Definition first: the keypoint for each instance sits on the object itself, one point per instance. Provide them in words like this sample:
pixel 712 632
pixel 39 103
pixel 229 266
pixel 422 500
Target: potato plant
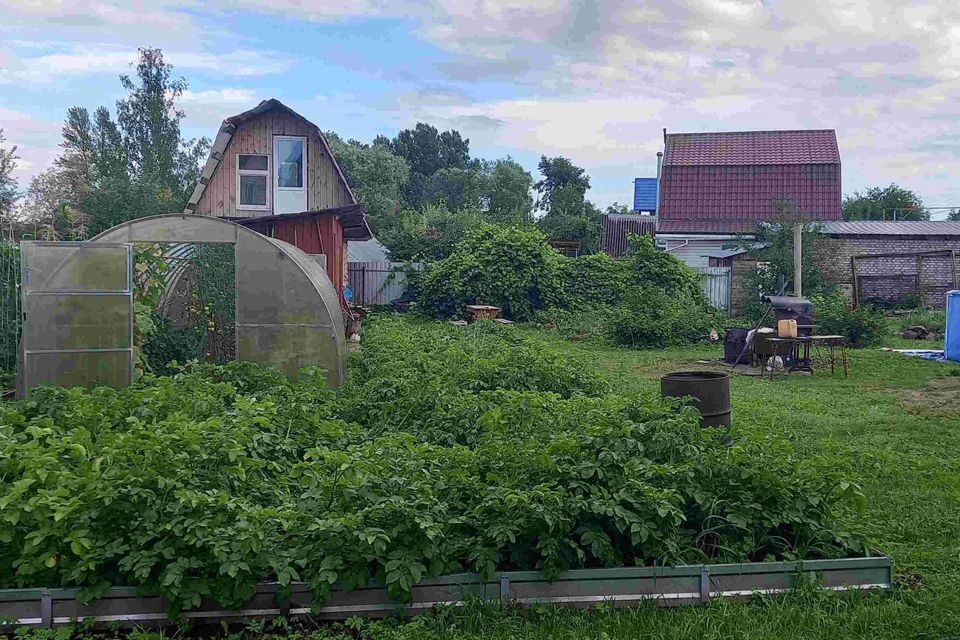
pixel 451 449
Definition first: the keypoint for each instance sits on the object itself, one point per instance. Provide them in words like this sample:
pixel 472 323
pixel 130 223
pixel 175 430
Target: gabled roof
pixel 804 146
pixel 878 228
pixel 226 134
pixel 644 194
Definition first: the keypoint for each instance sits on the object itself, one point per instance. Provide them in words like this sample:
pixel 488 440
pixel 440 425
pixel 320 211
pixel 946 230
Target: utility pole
pixel 798 259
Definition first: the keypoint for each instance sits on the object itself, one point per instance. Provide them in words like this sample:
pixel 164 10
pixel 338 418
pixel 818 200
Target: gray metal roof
pixel 366 251
pixel 878 228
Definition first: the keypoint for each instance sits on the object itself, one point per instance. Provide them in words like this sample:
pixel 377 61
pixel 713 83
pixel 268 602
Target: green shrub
pixel 594 280
pixel 662 270
pixel 508 267
pixel 862 327
pixel 651 317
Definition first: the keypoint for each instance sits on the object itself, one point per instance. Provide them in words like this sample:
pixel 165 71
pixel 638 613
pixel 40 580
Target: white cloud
pixel 593 80
pixel 107 59
pixel 206 109
pixel 36 140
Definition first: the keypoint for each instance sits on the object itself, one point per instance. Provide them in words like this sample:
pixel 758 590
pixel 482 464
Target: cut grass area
pixel 891 425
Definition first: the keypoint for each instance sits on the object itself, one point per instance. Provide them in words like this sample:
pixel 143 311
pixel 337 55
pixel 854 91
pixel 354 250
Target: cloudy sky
pixel 595 81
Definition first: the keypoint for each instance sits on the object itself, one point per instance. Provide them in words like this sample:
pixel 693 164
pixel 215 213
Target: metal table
pixel 801 348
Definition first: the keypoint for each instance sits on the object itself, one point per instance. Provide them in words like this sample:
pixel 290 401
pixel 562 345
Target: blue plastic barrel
pixel 951 337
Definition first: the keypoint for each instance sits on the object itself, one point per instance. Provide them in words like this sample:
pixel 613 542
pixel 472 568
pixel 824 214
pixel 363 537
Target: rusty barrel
pixel 710 389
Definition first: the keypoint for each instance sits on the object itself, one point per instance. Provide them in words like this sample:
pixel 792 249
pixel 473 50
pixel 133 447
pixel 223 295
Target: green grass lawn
pixel 893 425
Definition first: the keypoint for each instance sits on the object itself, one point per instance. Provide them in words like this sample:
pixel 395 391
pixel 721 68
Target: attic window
pixel 252 176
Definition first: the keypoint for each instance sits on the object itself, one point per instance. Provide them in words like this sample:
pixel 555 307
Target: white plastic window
pixel 253 175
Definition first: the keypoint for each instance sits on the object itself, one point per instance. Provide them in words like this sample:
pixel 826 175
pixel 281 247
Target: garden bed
pixel 450 450
pixel 667 586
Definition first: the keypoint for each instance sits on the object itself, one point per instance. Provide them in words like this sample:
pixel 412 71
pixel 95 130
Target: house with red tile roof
pixel 717 187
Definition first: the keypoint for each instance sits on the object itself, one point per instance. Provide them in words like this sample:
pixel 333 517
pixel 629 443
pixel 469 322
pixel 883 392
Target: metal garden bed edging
pixel 668 586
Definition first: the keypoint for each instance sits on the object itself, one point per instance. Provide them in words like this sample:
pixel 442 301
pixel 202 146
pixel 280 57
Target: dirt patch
pixel 940 398
pixel 669 365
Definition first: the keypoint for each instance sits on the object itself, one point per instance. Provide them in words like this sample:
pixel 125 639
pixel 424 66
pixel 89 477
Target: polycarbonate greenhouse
pixel 78 303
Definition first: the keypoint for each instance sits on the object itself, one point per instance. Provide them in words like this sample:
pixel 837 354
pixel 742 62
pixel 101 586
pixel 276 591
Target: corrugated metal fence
pixel 378 282
pixel 716 285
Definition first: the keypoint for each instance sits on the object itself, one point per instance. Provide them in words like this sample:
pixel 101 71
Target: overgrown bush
pixel 594 280
pixel 662 270
pixel 9 310
pixel 508 267
pixel 862 326
pixel 651 317
pixel 203 483
pixel 664 304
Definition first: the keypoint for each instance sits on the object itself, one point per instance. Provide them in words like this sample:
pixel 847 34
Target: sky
pixel 594 81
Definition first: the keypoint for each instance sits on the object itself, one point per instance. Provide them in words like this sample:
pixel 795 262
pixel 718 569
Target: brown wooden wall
pixel 315 235
pixel 325 189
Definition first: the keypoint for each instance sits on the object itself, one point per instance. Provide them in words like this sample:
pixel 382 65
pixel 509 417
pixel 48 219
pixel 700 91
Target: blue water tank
pixel 951 338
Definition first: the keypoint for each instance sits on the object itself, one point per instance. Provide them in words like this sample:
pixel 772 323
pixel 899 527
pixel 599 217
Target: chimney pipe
pixel 664 135
pixel 656 206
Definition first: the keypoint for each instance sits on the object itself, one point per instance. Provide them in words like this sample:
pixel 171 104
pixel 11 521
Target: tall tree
pixel 375 175
pixel 954 215
pixel 427 151
pixel 456 188
pixel 562 195
pixel 884 203
pixel 8 184
pixel 506 192
pixel 136 165
pixel 563 187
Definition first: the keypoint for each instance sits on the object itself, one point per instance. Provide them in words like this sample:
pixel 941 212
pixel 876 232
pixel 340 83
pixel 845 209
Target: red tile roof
pixel 811 146
pixel 718 226
pixel 727 182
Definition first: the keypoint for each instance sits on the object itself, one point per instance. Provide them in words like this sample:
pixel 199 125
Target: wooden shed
pixel 272 170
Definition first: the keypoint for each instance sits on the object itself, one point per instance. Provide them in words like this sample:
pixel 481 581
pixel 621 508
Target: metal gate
pixel 78 314
pixel 378 282
pixel 716 285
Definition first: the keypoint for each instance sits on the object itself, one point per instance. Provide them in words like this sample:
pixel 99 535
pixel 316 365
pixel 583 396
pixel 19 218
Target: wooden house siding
pixel 325 189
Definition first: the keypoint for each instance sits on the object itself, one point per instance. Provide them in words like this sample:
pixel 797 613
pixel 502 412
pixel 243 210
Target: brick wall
pixel 891 278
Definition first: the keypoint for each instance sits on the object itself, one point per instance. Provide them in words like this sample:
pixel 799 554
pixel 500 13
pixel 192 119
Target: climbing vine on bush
pixel 508 267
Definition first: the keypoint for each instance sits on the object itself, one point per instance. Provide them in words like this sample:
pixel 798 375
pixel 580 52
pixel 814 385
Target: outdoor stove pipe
pixel 798 259
pixel 656 205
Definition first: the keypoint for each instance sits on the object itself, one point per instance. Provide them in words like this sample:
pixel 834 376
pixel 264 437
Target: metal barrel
pixel 711 390
pixel 734 345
